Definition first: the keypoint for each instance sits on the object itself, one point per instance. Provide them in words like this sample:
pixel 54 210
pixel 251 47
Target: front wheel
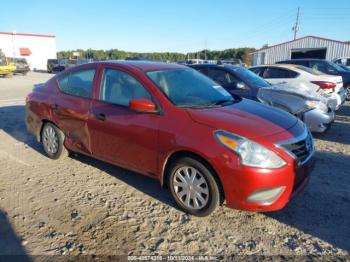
pixel 194 187
pixel 347 92
pixel 52 139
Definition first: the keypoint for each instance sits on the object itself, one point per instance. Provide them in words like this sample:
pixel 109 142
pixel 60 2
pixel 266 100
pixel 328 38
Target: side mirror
pixel 142 105
pixel 241 85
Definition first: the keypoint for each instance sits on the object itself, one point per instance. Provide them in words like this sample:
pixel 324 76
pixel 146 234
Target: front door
pixel 120 135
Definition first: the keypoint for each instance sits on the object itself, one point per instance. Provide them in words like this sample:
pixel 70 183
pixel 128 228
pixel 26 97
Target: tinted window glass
pixel 332 67
pixel 203 71
pixel 310 70
pixel 219 76
pixel 78 83
pixel 348 62
pixel 338 61
pixel 278 73
pixel 257 70
pixel 119 88
pixel 187 87
pixel 320 66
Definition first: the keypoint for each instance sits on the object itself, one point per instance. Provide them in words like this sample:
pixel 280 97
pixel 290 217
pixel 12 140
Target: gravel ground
pixel 83 206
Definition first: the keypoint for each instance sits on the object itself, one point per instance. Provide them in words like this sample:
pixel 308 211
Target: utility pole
pixel 205 50
pixel 296 28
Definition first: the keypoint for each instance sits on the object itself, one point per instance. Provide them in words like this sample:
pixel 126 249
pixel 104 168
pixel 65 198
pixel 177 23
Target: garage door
pixel 319 53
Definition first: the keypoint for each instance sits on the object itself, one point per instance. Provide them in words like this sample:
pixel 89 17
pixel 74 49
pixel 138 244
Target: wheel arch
pixel 185 153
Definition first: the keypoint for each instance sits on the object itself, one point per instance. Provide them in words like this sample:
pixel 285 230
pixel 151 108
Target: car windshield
pixel 309 70
pixel 250 77
pixel 345 68
pixel 337 67
pixel 189 88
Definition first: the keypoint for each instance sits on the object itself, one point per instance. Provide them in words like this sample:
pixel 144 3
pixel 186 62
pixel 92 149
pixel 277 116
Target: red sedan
pixel 174 124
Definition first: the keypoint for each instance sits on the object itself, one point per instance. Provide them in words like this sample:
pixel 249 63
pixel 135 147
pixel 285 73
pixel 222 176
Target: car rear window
pixel 310 70
pixel 77 83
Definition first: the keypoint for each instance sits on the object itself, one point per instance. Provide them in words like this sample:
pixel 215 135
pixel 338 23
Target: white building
pixel 304 47
pixel 36 49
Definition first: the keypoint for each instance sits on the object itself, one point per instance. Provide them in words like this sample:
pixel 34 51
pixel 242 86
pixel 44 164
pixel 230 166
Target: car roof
pixel 143 65
pixel 216 65
pixel 288 66
pixel 303 59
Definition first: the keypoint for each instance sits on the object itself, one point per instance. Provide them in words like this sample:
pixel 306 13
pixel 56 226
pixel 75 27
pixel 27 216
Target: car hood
pixel 246 118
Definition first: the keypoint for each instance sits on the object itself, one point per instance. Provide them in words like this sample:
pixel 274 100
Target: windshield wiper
pixel 222 102
pixel 217 103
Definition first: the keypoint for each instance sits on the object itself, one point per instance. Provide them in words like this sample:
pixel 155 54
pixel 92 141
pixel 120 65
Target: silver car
pixel 316 111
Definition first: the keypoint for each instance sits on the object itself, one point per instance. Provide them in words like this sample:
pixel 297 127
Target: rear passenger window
pixel 279 73
pixel 77 83
pixel 257 70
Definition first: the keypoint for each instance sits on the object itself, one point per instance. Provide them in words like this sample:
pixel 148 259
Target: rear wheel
pixel 347 92
pixel 52 139
pixel 193 187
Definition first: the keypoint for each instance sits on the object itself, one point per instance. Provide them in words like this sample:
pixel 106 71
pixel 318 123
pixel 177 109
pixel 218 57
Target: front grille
pixel 301 149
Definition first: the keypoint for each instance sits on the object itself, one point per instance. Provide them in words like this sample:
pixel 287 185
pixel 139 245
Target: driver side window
pixel 119 87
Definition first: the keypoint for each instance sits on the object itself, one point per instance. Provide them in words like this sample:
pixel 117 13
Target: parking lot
pixel 79 205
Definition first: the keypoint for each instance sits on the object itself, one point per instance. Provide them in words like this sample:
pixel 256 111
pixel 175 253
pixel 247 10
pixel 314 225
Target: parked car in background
pixel 174 124
pixel 64 64
pixel 344 61
pixel 232 61
pixel 6 68
pixel 21 64
pixel 51 64
pixel 313 110
pixel 303 77
pixel 326 67
pixel 344 67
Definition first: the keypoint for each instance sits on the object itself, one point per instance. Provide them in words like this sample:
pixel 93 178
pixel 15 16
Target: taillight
pixel 324 84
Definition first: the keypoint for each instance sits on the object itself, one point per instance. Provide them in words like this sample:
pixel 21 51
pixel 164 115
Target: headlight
pixel 251 153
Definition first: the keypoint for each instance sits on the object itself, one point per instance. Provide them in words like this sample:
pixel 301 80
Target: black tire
pixel 347 92
pixel 211 183
pixel 60 151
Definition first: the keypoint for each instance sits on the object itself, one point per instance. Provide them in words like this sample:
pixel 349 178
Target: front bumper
pixel 286 183
pixel 263 190
pixel 317 120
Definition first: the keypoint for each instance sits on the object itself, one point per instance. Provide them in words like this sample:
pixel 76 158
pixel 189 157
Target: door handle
pixel 101 117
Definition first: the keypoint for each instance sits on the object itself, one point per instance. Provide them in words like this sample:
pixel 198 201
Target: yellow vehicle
pixel 6 68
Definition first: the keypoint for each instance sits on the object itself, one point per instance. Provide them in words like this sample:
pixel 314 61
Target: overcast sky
pixel 181 25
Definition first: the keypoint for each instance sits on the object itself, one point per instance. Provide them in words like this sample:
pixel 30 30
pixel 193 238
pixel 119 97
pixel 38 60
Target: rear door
pixel 118 134
pixel 70 107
